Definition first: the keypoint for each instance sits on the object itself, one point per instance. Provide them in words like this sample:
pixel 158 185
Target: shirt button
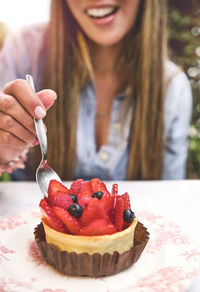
pixel 104 156
pixel 117 126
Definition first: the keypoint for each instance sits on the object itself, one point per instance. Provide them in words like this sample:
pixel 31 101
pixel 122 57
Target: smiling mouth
pixel 101 12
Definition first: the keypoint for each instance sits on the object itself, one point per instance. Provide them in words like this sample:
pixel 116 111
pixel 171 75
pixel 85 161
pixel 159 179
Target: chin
pixel 107 40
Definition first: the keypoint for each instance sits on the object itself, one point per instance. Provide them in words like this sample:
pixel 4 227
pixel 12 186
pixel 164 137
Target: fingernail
pixel 40 113
pixel 36 142
pixel 54 95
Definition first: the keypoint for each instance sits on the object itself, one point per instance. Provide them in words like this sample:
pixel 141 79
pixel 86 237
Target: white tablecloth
pixel 178 201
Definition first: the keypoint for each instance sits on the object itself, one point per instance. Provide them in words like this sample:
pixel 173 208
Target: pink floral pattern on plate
pixel 165 232
pixel 191 255
pixel 170 261
pixel 12 222
pixel 36 214
pixel 10 285
pixel 4 252
pixel 168 279
pixel 34 254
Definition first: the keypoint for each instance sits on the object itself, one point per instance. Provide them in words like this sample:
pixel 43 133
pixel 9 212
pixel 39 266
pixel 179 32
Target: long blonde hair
pixel 68 70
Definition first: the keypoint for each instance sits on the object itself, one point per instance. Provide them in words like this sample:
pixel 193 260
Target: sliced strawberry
pixel 69 221
pixel 86 190
pixel 114 193
pixel 54 187
pixel 115 189
pixel 76 187
pixel 127 204
pixel 93 211
pixel 83 201
pixel 118 213
pixel 122 203
pixel 62 200
pixel 107 200
pixel 50 217
pixel 98 227
pixel 98 185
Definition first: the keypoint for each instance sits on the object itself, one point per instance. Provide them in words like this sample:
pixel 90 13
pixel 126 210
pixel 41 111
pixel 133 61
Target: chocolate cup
pixel 95 265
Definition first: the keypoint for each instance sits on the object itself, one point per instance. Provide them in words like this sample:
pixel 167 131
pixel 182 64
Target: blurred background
pixel 184 50
pixel 15 14
pixel 184 46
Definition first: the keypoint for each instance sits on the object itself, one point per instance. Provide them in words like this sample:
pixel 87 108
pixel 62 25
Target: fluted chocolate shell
pixel 95 265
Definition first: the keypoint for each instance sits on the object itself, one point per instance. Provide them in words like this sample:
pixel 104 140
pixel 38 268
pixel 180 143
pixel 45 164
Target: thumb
pixel 47 97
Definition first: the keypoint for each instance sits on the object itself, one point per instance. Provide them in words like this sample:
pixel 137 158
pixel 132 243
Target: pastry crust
pixel 119 241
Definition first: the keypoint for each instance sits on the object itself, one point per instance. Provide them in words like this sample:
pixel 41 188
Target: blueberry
pixel 75 210
pixel 97 195
pixel 74 198
pixel 128 215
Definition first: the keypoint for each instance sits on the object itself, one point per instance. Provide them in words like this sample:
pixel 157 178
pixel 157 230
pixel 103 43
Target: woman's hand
pixel 18 105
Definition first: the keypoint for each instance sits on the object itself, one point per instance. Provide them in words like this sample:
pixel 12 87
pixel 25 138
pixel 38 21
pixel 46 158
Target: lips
pixel 101 12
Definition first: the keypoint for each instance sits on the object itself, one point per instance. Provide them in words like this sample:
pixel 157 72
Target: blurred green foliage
pixel 182 44
pixel 183 17
pixel 5 177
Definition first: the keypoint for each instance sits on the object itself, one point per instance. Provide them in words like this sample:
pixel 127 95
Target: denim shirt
pixel 110 162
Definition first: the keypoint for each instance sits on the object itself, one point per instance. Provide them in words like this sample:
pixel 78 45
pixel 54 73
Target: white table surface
pixel 176 200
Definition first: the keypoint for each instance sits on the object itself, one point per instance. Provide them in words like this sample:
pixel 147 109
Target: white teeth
pixel 100 12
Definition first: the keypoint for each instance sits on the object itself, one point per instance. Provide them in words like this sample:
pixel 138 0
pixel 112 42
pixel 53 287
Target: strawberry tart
pixel 86 230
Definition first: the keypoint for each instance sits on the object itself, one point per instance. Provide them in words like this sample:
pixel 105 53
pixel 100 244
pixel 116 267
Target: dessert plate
pixel 170 261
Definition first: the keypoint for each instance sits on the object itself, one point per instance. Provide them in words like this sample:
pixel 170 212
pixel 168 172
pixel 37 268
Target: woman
pixel 123 110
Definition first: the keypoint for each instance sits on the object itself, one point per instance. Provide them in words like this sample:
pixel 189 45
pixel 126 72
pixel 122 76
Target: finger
pixel 26 96
pixel 9 124
pixel 9 105
pixel 11 151
pixel 47 97
pixel 10 141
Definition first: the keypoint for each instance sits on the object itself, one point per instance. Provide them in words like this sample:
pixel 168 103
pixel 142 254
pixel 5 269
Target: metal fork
pixel 44 173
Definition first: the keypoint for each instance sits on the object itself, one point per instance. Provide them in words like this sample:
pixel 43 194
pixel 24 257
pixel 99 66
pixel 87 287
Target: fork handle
pixel 39 125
